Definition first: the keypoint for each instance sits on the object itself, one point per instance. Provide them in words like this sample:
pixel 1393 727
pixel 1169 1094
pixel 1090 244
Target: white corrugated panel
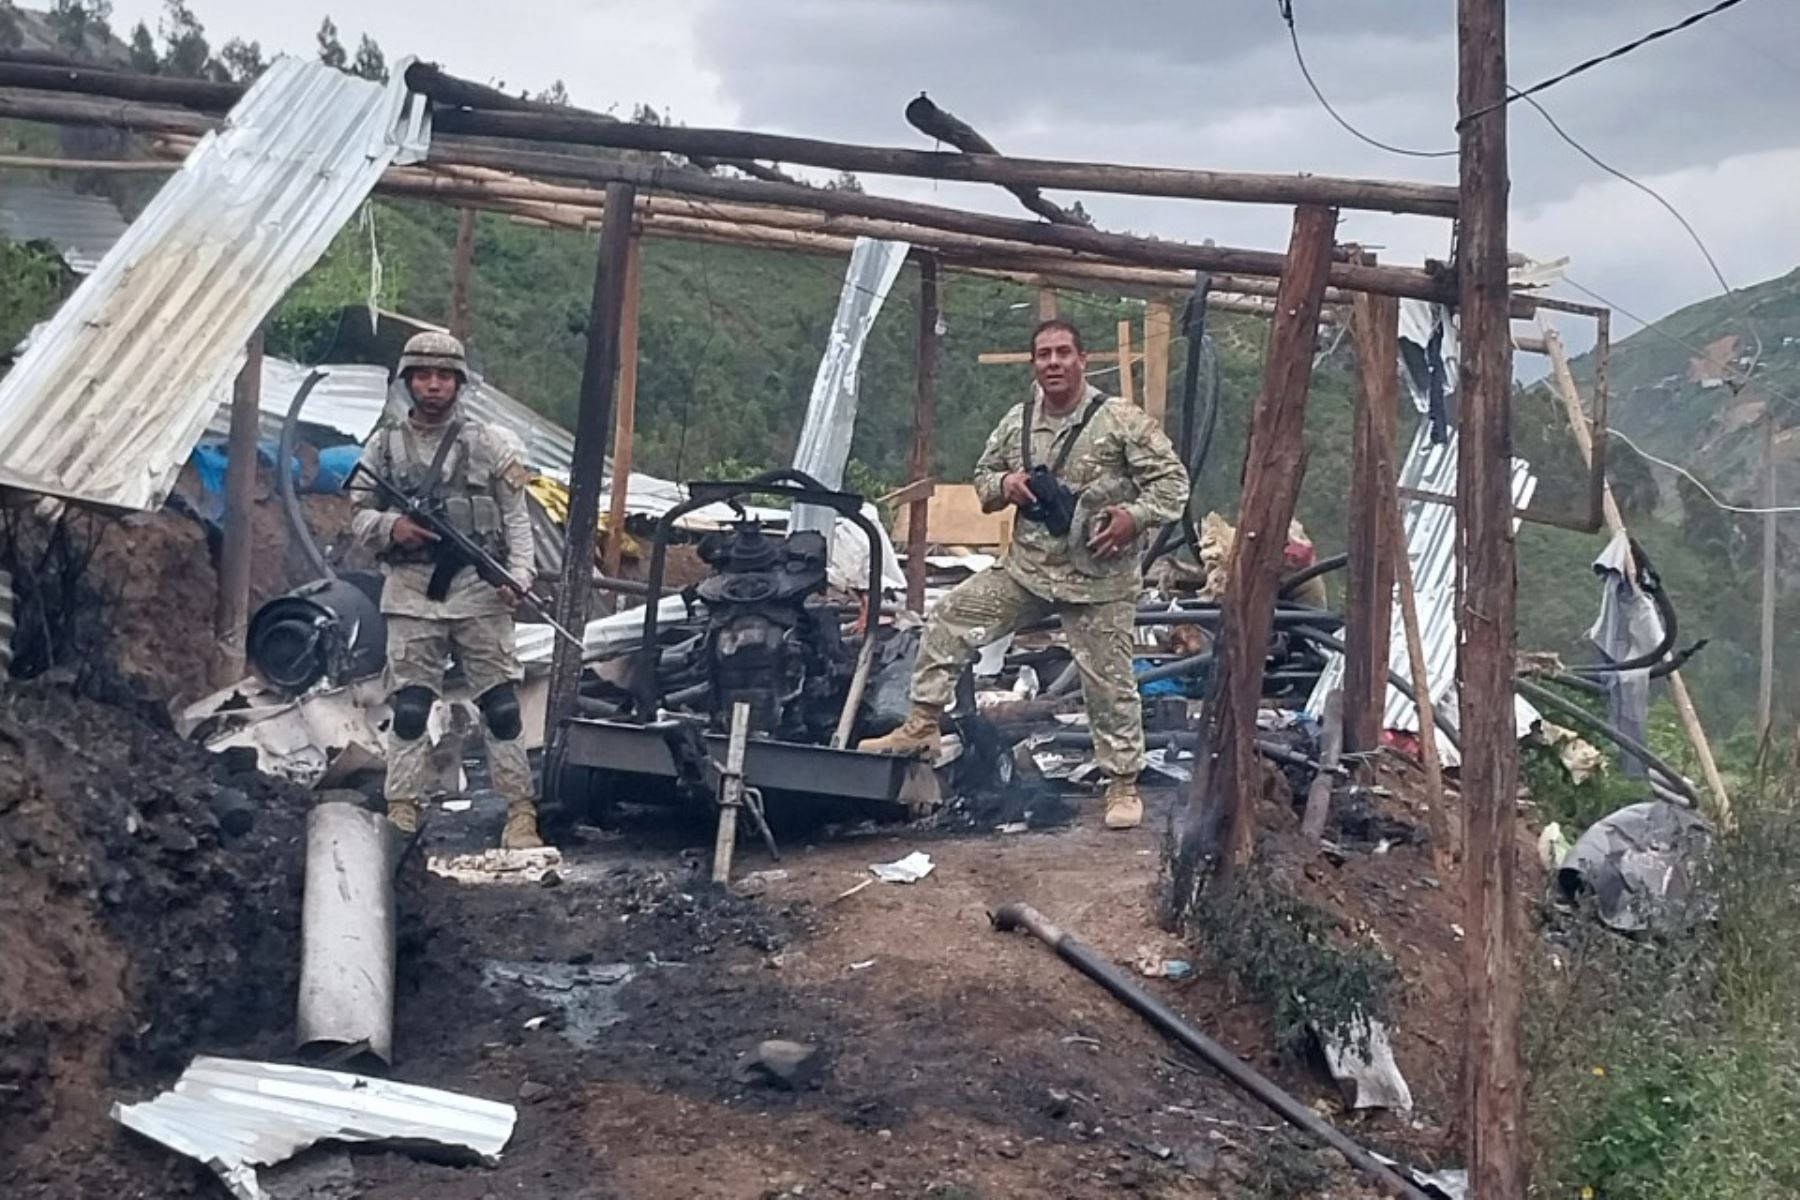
pixel 350 399
pixel 235 1116
pixel 107 404
pixel 1431 547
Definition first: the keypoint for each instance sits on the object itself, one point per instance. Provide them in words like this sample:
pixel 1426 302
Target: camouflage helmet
pixel 433 348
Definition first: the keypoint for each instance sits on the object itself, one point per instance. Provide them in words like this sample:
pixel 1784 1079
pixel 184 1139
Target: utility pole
pixel 1493 1071
pixel 593 421
pixel 1765 693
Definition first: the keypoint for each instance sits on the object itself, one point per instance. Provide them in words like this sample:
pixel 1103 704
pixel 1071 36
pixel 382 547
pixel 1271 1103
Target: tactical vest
pixel 458 482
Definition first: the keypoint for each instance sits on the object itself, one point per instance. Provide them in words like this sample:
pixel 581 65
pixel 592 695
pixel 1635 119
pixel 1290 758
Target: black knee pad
pixel 500 705
pixel 412 709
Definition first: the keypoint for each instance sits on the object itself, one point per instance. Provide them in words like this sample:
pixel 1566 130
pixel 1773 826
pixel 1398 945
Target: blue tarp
pixel 210 460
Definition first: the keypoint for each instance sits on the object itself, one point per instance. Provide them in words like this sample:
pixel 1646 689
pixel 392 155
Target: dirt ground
pixel 614 1004
pixel 959 1062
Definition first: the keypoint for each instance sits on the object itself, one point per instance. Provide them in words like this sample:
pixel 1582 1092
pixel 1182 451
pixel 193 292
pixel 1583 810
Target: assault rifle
pixel 454 550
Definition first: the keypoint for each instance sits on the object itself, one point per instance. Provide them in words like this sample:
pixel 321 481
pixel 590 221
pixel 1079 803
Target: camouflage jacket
pixel 1121 458
pixel 487 475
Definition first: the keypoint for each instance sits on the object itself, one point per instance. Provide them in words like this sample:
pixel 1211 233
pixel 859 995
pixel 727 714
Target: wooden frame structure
pixel 477 162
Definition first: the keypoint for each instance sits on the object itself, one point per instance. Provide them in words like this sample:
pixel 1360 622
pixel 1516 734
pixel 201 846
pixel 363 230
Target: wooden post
pixel 1765 691
pixel 1046 303
pixel 1127 389
pixel 231 615
pixel 1374 518
pixel 461 274
pixel 593 419
pixel 924 429
pixel 1274 463
pixel 1591 444
pixel 731 793
pixel 1443 848
pixel 1318 795
pixel 1158 321
pixel 625 431
pixel 1490 768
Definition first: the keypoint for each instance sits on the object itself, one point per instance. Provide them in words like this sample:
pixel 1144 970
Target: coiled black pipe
pixel 284 477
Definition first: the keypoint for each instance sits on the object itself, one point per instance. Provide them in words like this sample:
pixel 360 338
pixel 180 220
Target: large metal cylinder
pixel 330 628
pixel 347 933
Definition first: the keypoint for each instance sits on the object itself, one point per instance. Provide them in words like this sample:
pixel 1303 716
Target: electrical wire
pixel 1704 490
pixel 1597 60
pixel 1657 329
pixel 1286 8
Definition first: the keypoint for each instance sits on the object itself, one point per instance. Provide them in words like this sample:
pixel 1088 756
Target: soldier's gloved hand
pixel 1016 487
pixel 410 534
pixel 1115 530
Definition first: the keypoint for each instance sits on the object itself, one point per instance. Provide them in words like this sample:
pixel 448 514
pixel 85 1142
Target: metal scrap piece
pixel 234 1116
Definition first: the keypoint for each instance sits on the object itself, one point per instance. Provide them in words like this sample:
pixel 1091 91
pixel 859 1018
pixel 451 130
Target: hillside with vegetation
pixel 730 338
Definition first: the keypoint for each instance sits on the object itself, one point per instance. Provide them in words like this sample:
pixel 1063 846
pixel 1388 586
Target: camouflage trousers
pixel 984 609
pixel 417 649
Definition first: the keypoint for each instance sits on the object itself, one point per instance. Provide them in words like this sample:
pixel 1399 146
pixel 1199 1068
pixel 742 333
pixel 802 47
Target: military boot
pixel 404 815
pixel 521 832
pixel 1124 807
pixel 917 737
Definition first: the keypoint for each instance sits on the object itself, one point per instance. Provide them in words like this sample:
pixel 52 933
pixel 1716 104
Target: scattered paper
pixel 457 805
pixel 910 869
pixel 863 965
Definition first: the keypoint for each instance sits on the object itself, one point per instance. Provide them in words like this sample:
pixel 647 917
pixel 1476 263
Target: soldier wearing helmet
pixel 475 474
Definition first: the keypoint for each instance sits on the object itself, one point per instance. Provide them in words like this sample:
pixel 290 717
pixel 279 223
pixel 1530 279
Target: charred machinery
pixel 763 644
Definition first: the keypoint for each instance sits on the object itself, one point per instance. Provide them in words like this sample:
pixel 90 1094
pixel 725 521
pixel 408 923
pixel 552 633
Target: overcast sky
pixel 1707 117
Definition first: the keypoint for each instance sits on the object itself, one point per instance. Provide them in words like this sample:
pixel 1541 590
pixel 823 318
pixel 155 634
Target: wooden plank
pixel 1127 387
pixel 625 427
pixel 924 432
pixel 593 421
pixel 232 611
pixel 954 518
pixel 1017 358
pixel 1221 810
pixel 1493 1068
pixel 1046 304
pixel 1373 518
pixel 1158 322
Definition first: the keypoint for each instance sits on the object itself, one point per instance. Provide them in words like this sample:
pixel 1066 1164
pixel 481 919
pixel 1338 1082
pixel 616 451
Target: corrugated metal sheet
pixel 1431 546
pixel 106 405
pixel 235 1116
pixel 82 227
pixel 350 399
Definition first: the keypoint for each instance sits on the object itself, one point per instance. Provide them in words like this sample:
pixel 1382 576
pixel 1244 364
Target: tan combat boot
pixel 404 815
pixel 521 832
pixel 1124 807
pixel 917 736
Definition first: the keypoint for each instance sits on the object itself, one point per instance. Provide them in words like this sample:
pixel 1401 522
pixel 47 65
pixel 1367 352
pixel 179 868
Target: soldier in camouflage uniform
pixel 1128 482
pixel 478 472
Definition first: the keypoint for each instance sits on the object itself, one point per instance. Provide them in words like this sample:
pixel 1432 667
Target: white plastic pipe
pixel 347 933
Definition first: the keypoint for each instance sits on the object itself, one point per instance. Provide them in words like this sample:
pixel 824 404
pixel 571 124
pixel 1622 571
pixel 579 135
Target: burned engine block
pixel 764 646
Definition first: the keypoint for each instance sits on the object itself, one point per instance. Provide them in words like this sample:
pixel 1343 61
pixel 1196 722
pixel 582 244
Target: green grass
pixel 1666 1069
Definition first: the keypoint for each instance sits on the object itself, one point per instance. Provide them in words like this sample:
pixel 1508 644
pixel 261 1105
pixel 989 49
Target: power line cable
pixel 1691 478
pixel 1597 60
pixel 1287 15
